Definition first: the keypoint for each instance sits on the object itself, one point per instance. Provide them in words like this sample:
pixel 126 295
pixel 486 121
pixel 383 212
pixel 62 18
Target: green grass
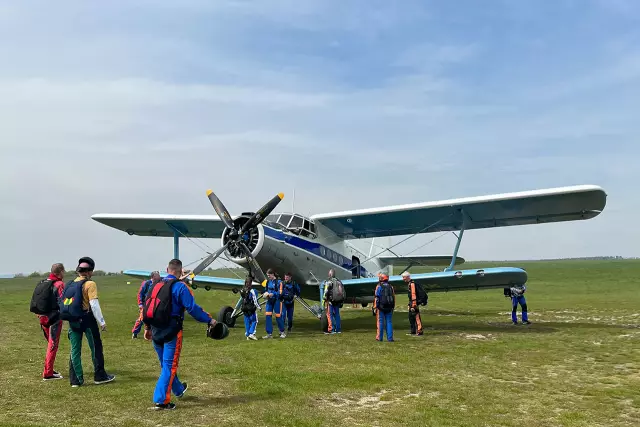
pixel 577 365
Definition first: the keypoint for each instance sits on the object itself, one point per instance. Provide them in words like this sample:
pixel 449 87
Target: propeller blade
pixel 222 212
pixel 262 213
pixel 207 261
pixel 255 267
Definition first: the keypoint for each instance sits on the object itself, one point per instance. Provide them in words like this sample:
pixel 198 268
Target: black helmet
pixel 85 264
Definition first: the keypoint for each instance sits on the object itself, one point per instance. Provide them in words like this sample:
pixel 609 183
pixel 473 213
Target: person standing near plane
pixel 333 301
pixel 517 297
pixel 383 305
pixel 81 308
pixel 290 291
pixel 167 340
pixel 52 328
pixel 249 306
pixel 414 312
pixel 273 304
pixel 142 293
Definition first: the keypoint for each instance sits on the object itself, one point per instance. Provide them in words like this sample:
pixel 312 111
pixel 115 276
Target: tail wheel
pixel 224 316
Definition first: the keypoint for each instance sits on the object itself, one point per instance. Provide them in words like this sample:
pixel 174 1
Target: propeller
pixel 235 235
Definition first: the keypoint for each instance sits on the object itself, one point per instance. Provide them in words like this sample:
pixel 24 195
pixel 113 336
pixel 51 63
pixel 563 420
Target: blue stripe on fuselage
pixel 312 247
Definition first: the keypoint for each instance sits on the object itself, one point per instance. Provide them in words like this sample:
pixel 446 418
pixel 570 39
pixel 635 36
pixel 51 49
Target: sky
pixel 140 107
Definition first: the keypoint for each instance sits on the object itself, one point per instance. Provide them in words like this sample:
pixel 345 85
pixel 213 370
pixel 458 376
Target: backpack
pixel 71 302
pixel 387 298
pixel 421 296
pixel 44 300
pixel 337 292
pixel 288 293
pixel 156 310
pixel 248 306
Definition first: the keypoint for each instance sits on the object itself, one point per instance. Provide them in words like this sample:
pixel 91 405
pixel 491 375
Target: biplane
pixel 308 246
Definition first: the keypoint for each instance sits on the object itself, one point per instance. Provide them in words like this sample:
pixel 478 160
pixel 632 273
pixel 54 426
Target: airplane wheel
pixel 224 316
pixel 324 322
pixel 365 304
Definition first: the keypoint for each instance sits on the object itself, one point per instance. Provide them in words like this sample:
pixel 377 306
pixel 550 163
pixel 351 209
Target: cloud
pixel 354 105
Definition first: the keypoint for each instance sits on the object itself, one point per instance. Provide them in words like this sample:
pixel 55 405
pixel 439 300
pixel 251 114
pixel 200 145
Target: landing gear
pixel 224 316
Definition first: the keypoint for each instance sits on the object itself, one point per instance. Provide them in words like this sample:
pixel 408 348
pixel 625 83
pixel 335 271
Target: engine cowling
pixel 253 238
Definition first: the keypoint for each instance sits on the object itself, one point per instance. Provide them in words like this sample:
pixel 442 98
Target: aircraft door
pixel 355 267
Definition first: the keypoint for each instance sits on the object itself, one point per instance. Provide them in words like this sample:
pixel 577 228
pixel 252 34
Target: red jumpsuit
pixel 52 334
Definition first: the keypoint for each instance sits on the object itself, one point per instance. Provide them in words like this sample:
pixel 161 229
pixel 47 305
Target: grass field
pixel 578 364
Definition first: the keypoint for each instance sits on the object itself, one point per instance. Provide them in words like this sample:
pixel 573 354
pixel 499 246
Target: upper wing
pixel 163 225
pixel 474 279
pixel 501 210
pixel 429 260
pixel 207 282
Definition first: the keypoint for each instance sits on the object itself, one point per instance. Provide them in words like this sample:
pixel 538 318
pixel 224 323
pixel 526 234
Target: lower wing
pixel 207 282
pixel 460 280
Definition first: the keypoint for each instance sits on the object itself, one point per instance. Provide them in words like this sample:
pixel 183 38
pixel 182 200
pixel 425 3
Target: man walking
pixel 81 309
pixel 163 316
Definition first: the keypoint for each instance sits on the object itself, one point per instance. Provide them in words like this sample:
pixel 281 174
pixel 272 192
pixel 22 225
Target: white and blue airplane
pixel 309 246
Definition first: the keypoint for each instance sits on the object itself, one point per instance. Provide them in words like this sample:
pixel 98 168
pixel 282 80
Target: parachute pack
pixel 337 292
pixel 387 298
pixel 248 305
pixel 421 296
pixel 44 300
pixel 158 303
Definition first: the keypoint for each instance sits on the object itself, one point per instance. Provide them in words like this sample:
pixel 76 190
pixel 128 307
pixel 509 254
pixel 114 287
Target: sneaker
pixel 108 379
pixel 266 337
pixel 163 406
pixel 180 396
pixel 339 332
pixel 411 335
pixel 526 322
pixel 283 335
pixel 77 385
pixel 252 337
pixel 134 336
pixel 327 333
pixel 248 338
pixel 55 376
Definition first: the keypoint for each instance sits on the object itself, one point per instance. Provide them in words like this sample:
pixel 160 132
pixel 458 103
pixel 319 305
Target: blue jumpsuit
pixel 334 322
pixel 287 313
pixel 169 352
pixel 383 318
pixel 251 320
pixel 517 297
pixel 274 305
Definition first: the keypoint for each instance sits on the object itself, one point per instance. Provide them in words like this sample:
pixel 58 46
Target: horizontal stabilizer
pixel 433 260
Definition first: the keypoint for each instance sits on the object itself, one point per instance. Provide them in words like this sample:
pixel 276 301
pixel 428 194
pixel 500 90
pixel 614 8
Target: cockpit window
pixel 296 222
pixel 284 220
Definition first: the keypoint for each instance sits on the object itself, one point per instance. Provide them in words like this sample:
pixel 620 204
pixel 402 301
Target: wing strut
pixel 465 220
